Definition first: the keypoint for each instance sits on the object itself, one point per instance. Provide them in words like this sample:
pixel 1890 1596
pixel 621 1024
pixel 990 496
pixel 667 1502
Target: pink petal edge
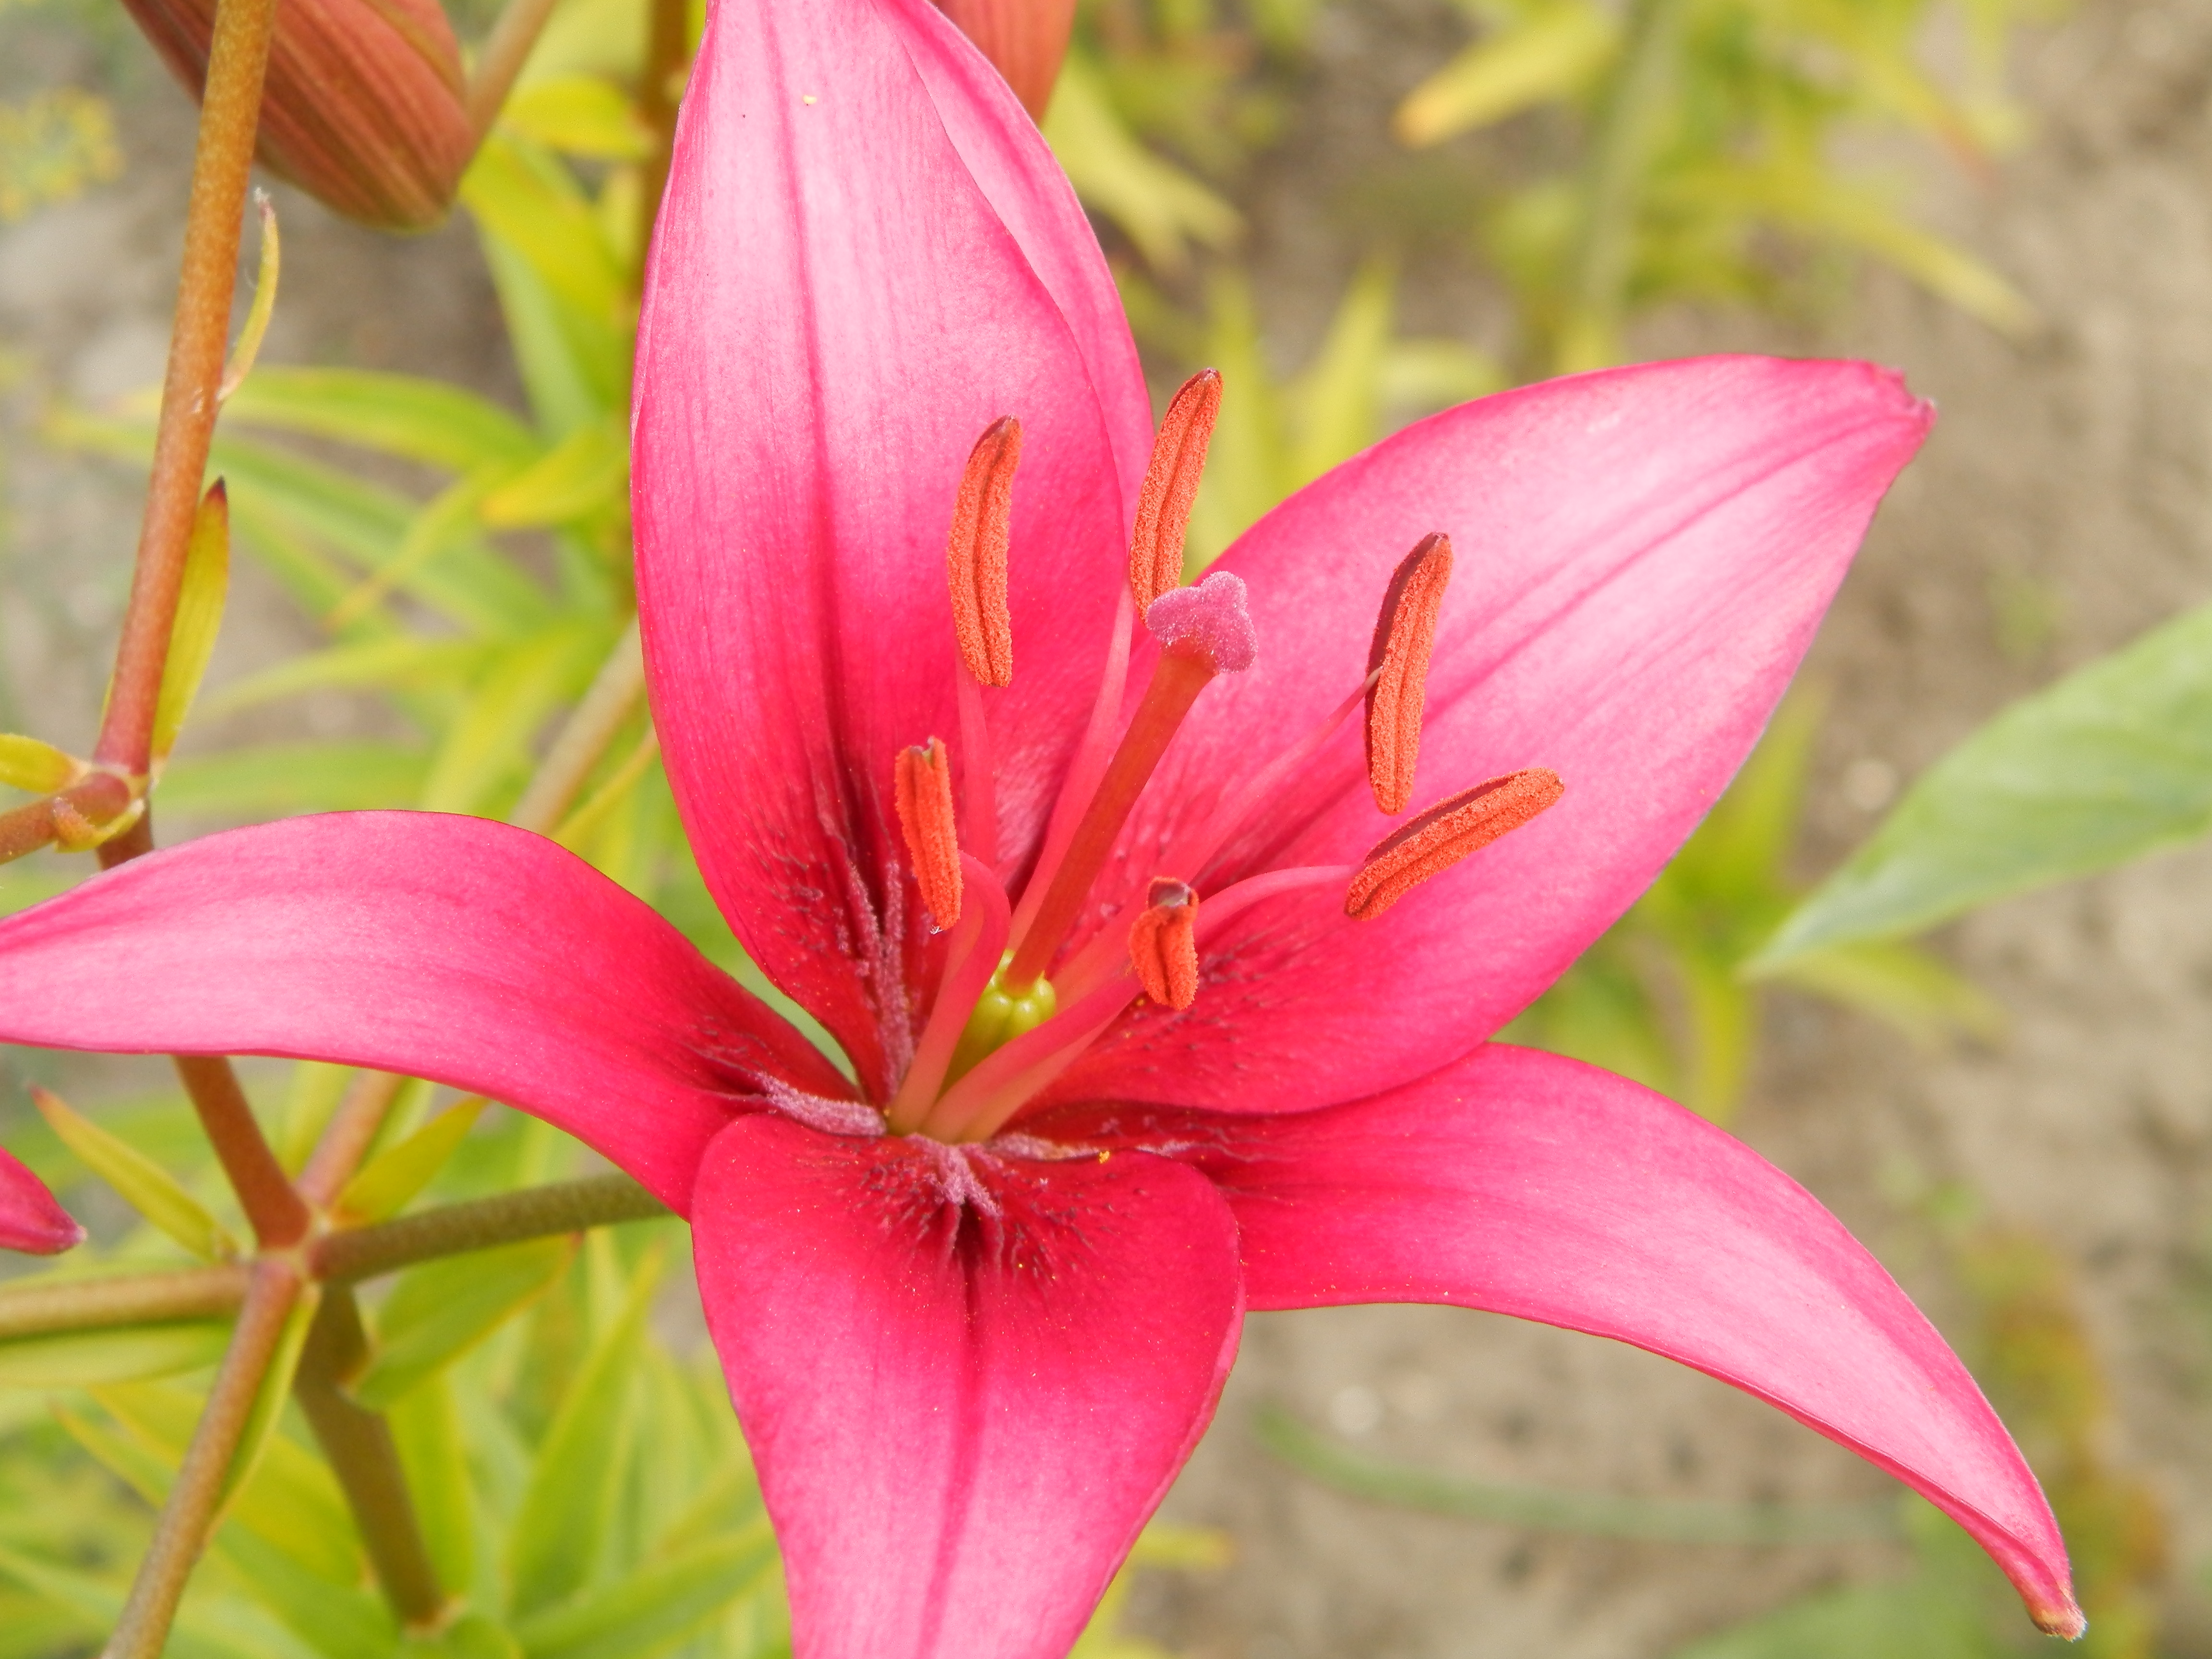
pixel 31 1219
pixel 966 1380
pixel 443 947
pixel 1522 1183
pixel 1642 558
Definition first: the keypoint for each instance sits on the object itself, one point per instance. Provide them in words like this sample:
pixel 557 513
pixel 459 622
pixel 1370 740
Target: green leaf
pixel 401 661
pixel 336 1620
pixel 432 422
pixel 41 769
pixel 1158 206
pixel 145 1185
pixel 82 1360
pixel 1337 401
pixel 523 686
pixel 580 115
pixel 199 618
pixel 426 1429
pixel 2111 762
pixel 438 1311
pixel 1900 985
pixel 278 779
pixel 587 473
pixel 653 1610
pixel 472 1636
pixel 565 1509
pixel 269 1401
pixel 1555 54
pixel 1916 1619
pixel 387 1182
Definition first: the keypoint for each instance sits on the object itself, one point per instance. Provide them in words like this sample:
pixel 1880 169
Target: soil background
pixel 2063 504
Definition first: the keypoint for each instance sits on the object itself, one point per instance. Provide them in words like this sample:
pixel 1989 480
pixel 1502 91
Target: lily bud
pixel 1025 40
pixel 363 107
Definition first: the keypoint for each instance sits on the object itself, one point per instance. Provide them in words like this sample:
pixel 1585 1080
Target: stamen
pixel 1164 944
pixel 975 554
pixel 978 1106
pixel 1170 486
pixel 922 792
pixel 1209 632
pixel 970 959
pixel 1102 958
pixel 1399 663
pixel 1445 833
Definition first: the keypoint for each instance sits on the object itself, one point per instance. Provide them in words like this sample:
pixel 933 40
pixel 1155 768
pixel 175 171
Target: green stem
pixel 43 1307
pixel 505 50
pixel 1613 188
pixel 567 1206
pixel 364 1457
pixel 181 1532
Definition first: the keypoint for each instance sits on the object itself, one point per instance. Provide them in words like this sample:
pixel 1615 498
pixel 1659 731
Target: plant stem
pixel 366 1459
pixel 1613 189
pixel 504 51
pixel 565 1207
pixel 591 727
pixel 43 1307
pixel 230 112
pixel 351 1132
pixel 667 23
pixel 181 1532
pixel 99 798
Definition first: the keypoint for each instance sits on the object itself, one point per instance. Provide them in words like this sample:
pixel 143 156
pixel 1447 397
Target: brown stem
pixel 229 113
pixel 366 1459
pixel 352 1131
pixel 89 802
pixel 43 1307
pixel 505 50
pixel 565 1207
pixel 181 1532
pixel 592 726
pixel 667 24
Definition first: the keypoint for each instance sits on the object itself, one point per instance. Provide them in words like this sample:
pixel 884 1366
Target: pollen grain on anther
pixel 922 792
pixel 1446 833
pixel 1171 487
pixel 1164 944
pixel 1398 669
pixel 975 554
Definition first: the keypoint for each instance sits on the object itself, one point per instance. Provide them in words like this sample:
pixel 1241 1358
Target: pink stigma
pixel 1212 617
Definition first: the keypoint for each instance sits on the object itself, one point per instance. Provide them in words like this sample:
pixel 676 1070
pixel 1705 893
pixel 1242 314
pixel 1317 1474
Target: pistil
pixel 1203 631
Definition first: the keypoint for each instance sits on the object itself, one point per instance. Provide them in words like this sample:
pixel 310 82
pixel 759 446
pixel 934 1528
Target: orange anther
pixel 1170 486
pixel 1164 944
pixel 1445 833
pixel 1399 663
pixel 975 554
pixel 922 791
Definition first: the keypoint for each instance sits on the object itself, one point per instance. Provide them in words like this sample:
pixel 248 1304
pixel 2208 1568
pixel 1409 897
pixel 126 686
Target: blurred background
pixel 1361 210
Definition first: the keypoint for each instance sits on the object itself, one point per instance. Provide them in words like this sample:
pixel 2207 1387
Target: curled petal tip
pixel 2068 1622
pixel 31 1219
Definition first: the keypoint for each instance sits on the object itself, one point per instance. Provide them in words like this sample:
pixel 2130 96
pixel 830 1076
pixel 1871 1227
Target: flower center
pixel 1014 1005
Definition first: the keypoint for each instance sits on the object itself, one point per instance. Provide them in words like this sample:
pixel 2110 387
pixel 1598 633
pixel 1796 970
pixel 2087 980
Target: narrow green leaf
pixel 84 1360
pixel 428 1430
pixel 199 618
pixel 653 1610
pixel 336 1620
pixel 269 1403
pixel 41 769
pixel 587 473
pixel 1158 206
pixel 521 688
pixel 266 277
pixel 438 1311
pixel 472 1636
pixel 556 1534
pixel 388 1180
pixel 278 779
pixel 1555 54
pixel 580 115
pixel 290 1498
pixel 382 664
pixel 1897 983
pixel 2109 763
pixel 432 422
pixel 1337 402
pixel 145 1185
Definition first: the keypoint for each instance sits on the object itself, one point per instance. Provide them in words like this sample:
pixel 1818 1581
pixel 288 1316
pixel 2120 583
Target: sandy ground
pixel 2066 480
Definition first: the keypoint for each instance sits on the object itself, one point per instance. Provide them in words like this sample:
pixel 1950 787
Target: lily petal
pixel 443 947
pixel 967 1380
pixel 1525 1183
pixel 834 310
pixel 31 1219
pixel 1643 556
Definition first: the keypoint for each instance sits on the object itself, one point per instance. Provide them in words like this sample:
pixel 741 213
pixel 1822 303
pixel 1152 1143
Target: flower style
pixel 1151 1014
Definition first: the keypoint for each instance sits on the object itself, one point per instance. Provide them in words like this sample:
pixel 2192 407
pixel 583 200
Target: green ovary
pixel 999 1017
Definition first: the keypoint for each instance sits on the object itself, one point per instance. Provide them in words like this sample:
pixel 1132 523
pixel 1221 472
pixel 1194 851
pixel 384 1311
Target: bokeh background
pixel 2015 209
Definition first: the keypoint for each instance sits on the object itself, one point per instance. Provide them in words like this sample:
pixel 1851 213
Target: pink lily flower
pixel 31 1219
pixel 1151 1015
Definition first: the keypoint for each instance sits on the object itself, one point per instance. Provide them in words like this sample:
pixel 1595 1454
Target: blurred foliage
pixel 52 145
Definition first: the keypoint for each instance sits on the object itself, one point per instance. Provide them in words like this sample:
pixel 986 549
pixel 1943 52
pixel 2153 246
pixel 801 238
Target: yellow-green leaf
pixel 1162 209
pixel 580 115
pixel 200 616
pixel 145 1185
pixel 269 1401
pixel 438 1311
pixel 1553 55
pixel 586 473
pixel 27 763
pixel 386 1184
pixel 81 1360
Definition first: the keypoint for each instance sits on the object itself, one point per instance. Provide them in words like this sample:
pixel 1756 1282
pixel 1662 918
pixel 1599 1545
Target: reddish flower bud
pixel 363 108
pixel 1025 40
